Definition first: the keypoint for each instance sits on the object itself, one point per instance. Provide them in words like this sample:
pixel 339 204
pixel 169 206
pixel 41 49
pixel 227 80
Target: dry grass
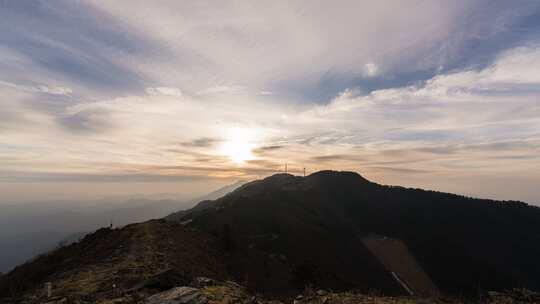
pixel 123 258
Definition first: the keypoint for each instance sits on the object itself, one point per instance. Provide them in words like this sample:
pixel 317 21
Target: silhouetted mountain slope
pixel 201 202
pixel 463 243
pixel 284 232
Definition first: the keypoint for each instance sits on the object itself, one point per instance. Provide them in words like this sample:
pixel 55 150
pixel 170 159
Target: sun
pixel 238 147
pixel 239 152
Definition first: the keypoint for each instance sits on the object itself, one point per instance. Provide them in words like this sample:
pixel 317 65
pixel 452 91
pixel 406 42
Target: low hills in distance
pixel 28 229
pixel 330 230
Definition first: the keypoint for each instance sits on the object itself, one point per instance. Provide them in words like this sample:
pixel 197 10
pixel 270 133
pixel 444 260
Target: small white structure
pixel 48 289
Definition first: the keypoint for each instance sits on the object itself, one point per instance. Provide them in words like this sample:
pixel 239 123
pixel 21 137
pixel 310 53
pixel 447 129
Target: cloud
pixel 371 70
pixel 164 91
pixel 219 89
pixel 457 112
pixel 299 50
pixel 266 149
pixel 71 43
pixel 332 158
pixel 53 177
pixel 89 121
pixel 54 90
pixel 203 142
pixel 400 170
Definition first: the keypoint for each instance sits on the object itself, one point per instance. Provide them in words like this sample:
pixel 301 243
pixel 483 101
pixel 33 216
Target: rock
pixel 519 295
pixel 203 282
pixel 250 300
pixel 164 280
pixel 178 295
pixel 57 301
pixel 234 284
pixel 321 292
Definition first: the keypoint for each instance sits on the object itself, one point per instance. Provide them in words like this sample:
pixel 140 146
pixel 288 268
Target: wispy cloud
pixel 38 88
pixel 164 91
pixel 203 142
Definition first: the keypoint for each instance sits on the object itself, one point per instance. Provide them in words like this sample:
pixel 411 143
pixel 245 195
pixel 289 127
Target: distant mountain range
pixel 331 230
pixel 29 229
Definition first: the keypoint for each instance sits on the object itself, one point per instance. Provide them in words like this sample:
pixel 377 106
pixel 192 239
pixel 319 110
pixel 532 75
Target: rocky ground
pixel 208 291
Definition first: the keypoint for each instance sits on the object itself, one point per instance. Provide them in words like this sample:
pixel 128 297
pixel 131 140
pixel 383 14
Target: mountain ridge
pixel 285 232
pixel 428 221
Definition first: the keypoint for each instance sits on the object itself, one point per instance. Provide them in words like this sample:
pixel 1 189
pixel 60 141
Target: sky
pixel 105 98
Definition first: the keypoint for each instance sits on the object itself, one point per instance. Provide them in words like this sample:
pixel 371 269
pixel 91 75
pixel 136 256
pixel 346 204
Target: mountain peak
pixel 329 178
pixel 325 175
pixel 320 179
pixel 337 174
pixel 280 176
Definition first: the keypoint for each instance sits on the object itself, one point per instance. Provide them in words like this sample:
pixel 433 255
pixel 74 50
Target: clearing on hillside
pixel 398 260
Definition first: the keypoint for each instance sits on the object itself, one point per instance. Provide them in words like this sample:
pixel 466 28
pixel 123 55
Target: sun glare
pixel 238 147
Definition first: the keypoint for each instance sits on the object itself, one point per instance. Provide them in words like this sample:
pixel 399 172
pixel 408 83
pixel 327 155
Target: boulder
pixel 203 282
pixel 178 295
pixel 57 300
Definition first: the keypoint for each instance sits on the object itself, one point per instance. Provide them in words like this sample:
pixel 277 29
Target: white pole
pixel 48 289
